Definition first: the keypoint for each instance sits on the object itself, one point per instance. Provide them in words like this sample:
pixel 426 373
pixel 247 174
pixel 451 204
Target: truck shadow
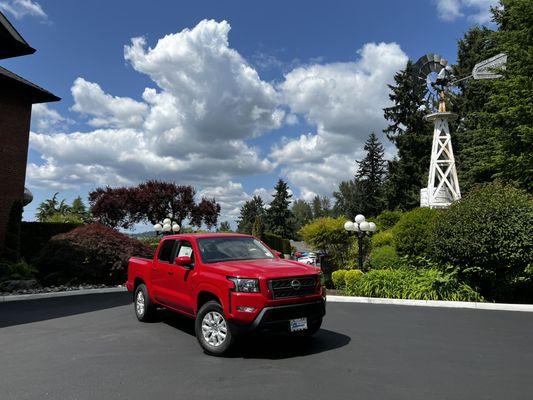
pixel 267 345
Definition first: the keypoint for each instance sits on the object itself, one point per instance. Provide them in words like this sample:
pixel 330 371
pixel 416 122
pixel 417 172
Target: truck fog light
pixel 245 309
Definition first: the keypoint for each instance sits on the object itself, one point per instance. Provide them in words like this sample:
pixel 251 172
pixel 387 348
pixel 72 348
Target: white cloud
pixel 192 128
pixel 477 11
pixel 345 101
pixel 44 118
pixel 21 8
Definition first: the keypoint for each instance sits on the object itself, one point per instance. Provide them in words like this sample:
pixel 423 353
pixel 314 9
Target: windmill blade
pixel 486 68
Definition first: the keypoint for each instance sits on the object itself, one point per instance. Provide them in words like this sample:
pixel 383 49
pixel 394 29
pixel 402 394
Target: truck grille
pixel 293 287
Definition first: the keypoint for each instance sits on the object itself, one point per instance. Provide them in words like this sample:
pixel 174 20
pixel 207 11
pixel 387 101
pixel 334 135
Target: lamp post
pixel 362 228
pixel 167 227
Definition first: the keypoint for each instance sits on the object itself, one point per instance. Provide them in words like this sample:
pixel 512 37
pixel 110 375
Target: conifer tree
pixel 280 219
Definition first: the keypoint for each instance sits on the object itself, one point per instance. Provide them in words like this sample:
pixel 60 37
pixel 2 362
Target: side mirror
pixel 184 261
pixel 278 253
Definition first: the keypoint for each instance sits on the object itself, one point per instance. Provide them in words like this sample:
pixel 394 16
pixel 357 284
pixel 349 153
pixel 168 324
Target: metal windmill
pixel 437 82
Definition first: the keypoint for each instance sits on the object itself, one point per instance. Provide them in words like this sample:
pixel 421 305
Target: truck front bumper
pixel 278 317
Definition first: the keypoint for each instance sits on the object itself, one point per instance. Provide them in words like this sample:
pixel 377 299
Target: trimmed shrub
pixel 414 231
pixel 16 271
pixel 337 277
pixel 382 238
pixel 383 257
pixel 11 246
pixel 275 242
pixel 286 246
pixel 89 254
pixel 352 276
pixel 35 235
pixel 387 219
pixel 404 283
pixel 488 235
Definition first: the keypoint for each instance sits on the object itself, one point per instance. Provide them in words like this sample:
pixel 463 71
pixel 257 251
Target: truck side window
pixel 165 254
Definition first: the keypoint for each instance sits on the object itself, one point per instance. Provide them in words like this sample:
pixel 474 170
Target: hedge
pixel 387 219
pixel 404 283
pixel 382 238
pixel 413 234
pixel 93 254
pixel 35 235
pixel 337 277
pixel 383 257
pixel 488 236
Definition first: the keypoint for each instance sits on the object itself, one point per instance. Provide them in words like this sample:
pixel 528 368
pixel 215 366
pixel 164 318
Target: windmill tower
pixel 435 76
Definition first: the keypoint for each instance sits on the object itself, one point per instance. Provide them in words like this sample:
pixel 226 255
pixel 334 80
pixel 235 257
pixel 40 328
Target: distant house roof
pixel 12 44
pixel 36 94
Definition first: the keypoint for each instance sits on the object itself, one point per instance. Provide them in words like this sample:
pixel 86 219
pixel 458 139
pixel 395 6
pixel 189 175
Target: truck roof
pixel 205 235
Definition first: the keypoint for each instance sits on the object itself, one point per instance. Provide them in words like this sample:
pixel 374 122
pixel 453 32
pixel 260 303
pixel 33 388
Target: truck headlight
pixel 245 285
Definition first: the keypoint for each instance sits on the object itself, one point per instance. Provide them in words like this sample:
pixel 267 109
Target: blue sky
pixel 237 94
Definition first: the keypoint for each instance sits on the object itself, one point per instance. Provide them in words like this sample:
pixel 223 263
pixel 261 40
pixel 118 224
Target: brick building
pixel 16 98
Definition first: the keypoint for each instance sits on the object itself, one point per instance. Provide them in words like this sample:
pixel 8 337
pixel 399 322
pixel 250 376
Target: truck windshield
pixel 232 248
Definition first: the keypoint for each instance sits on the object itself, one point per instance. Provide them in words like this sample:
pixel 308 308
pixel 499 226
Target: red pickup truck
pixel 231 284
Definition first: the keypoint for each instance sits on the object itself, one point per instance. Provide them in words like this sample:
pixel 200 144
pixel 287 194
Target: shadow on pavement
pixel 27 311
pixel 275 346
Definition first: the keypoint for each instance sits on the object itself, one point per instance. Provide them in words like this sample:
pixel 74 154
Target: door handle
pixel 154 269
pixel 171 272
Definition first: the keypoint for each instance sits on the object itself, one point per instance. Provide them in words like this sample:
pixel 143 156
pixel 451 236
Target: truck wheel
pixel 212 329
pixel 144 309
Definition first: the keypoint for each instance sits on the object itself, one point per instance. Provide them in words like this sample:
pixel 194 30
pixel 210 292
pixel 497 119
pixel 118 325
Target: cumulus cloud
pixel 192 127
pixel 345 102
pixel 44 118
pixel 475 10
pixel 21 8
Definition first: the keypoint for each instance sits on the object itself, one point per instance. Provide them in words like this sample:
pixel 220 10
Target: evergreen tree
pixel 78 209
pixel 224 227
pixel 371 174
pixel 249 211
pixel 280 219
pixel 321 206
pixel 411 135
pixel 302 212
pixel 349 199
pixel 258 228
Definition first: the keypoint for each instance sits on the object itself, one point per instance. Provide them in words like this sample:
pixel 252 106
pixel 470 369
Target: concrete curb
pixel 433 303
pixel 35 296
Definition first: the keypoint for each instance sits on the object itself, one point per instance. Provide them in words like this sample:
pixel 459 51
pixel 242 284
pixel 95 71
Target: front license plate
pixel 298 324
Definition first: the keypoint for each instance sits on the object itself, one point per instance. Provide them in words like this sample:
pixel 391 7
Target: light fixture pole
pixel 167 227
pixel 362 228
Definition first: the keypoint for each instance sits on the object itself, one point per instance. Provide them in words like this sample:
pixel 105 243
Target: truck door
pixel 161 269
pixel 179 282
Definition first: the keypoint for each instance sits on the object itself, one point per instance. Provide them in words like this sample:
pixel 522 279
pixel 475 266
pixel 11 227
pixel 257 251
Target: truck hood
pixel 276 268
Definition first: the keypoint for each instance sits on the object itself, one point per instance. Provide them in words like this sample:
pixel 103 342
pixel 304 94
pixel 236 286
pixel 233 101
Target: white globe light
pixel 349 226
pixel 359 218
pixel 372 226
pixel 364 226
pixel 175 228
pixel 166 228
pixel 158 227
pixel 356 227
pixel 166 221
pixel 169 215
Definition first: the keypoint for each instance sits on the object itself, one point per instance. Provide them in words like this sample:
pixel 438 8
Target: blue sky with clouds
pixel 225 95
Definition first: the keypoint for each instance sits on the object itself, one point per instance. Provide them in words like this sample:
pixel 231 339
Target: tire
pixel 143 306
pixel 213 330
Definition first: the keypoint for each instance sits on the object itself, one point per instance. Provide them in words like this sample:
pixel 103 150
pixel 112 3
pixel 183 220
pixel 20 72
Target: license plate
pixel 299 324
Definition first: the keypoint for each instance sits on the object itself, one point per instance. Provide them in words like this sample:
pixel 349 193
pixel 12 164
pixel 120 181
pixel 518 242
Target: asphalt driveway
pixel 92 347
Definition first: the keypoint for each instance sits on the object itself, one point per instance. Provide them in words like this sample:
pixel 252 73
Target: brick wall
pixel 15 113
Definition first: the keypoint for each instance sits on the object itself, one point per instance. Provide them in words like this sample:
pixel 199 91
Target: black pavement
pixel 93 347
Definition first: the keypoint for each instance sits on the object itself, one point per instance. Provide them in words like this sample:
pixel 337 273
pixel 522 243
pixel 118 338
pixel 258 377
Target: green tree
pixel 411 135
pixel 249 211
pixel 371 174
pixel 280 219
pixel 258 229
pixel 321 206
pixel 303 213
pixel 348 199
pixel 224 227
pixel 79 210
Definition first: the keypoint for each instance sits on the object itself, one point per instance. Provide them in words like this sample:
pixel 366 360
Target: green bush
pixel 352 276
pixel 387 219
pixel 16 271
pixel 286 245
pixel 275 242
pixel 382 238
pixel 150 241
pixel 488 235
pixel 88 254
pixel 35 235
pixel 414 232
pixel 404 283
pixel 383 257
pixel 337 278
